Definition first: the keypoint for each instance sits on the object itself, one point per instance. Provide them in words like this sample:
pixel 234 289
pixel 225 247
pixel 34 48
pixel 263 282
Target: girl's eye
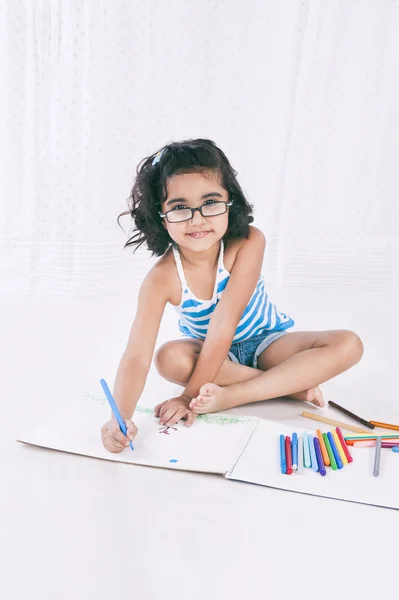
pixel 181 206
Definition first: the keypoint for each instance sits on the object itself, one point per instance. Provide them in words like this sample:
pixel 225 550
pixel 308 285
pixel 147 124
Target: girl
pixel 189 209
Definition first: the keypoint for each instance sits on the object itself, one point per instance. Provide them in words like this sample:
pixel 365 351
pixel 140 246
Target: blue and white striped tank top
pixel 259 315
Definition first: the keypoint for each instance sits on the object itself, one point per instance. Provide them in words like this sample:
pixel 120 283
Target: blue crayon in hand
pixel 114 408
pixel 335 450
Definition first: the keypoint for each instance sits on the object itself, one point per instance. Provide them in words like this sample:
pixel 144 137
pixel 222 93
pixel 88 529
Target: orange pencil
pixel 385 425
pixel 326 458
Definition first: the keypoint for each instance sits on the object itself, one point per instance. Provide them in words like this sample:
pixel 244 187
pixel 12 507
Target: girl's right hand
pixel 112 437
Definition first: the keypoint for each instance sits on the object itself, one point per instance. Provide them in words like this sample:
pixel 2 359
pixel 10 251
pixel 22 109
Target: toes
pixel 196 402
pixel 318 402
pixel 205 390
pixel 201 406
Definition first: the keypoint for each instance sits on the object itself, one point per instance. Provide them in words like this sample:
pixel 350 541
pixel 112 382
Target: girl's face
pixel 192 190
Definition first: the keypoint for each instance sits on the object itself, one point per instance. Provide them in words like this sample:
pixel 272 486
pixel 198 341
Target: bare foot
pixel 214 398
pixel 211 398
pixel 314 395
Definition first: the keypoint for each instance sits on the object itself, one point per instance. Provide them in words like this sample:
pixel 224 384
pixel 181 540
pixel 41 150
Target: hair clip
pixel 157 157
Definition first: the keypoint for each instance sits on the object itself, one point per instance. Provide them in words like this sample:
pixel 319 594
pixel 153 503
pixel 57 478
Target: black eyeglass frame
pixel 229 203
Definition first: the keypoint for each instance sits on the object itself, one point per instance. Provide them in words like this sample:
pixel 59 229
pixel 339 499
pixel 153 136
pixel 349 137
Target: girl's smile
pixel 198 234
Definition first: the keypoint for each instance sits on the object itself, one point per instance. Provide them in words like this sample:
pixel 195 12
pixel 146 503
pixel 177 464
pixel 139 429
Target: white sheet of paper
pixel 260 463
pixel 211 447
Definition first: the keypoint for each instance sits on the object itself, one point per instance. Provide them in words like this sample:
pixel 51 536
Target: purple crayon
pixel 319 457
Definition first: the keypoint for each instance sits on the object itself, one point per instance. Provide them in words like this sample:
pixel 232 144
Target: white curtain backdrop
pixel 302 96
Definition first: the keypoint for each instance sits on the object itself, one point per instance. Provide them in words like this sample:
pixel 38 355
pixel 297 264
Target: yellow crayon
pixel 339 447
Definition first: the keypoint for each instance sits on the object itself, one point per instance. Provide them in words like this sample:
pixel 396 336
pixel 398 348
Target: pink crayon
pixel 372 443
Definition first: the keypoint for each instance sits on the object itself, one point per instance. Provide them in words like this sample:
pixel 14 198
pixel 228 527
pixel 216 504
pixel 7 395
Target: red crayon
pixel 288 457
pixel 343 444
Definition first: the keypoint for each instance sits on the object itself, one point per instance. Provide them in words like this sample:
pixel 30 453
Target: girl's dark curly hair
pixel 149 191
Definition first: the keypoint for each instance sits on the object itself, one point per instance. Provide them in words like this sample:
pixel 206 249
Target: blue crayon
pixel 300 454
pixel 315 464
pixel 306 454
pixel 114 408
pixel 335 450
pixel 283 464
pixel 395 449
pixel 294 451
pixel 319 456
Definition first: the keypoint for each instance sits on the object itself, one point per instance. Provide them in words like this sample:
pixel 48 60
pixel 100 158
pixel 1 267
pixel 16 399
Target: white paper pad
pixel 240 448
pixel 211 444
pixel 260 463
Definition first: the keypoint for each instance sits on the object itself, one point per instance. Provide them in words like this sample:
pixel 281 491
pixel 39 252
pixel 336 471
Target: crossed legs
pixel 293 365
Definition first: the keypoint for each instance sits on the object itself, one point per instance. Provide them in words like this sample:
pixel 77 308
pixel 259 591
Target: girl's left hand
pixel 174 409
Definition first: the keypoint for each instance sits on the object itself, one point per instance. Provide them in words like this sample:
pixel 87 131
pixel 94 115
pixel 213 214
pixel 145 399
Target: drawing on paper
pixel 165 429
pixel 210 418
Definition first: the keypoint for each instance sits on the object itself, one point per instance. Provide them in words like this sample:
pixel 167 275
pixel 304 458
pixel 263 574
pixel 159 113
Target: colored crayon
pixel 372 444
pixel 395 449
pixel 350 442
pixel 371 437
pixel 385 425
pixel 315 463
pixel 288 458
pixel 306 454
pixel 377 456
pixel 339 448
pixel 343 444
pixel 283 464
pixel 323 448
pixel 115 409
pixel 350 414
pixel 335 451
pixel 317 447
pixel 294 451
pixel 330 452
pixel 300 454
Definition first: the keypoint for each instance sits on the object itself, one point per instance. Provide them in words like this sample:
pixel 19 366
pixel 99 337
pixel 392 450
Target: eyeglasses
pixel 177 215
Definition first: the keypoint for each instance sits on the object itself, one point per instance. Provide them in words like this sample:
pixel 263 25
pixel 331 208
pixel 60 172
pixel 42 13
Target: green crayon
pixel 330 452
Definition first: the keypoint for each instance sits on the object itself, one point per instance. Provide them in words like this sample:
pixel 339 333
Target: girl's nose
pixel 197 215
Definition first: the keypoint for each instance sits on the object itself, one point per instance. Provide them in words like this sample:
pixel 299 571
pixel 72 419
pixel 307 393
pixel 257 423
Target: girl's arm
pixel 136 360
pixel 226 316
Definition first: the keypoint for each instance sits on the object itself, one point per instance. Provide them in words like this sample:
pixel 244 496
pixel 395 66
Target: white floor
pixel 78 528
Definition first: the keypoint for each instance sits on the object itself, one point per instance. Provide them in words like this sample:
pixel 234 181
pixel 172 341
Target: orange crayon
pixel 385 425
pixel 326 458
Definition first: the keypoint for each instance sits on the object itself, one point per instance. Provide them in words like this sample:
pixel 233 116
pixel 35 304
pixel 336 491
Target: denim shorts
pixel 247 352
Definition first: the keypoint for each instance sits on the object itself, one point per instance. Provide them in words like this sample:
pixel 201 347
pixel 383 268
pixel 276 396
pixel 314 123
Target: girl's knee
pixel 174 358
pixel 351 347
